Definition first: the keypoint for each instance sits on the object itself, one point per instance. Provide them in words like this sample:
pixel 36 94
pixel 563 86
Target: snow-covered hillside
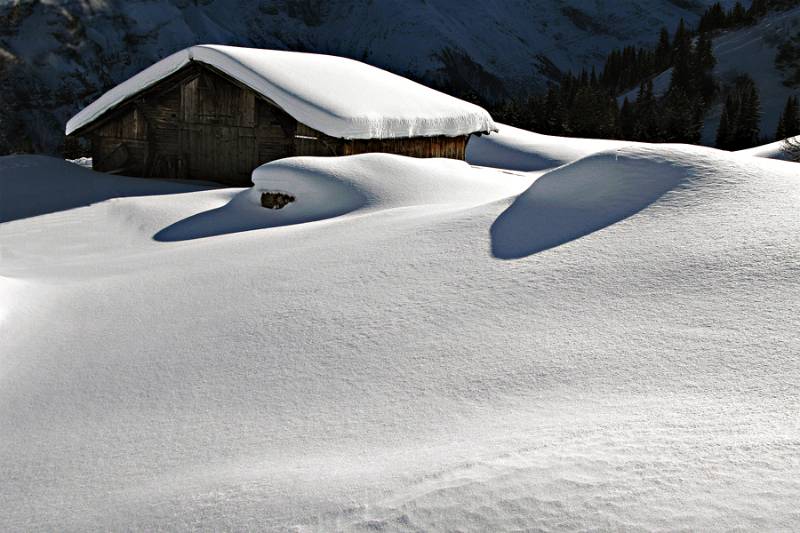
pixel 607 342
pixel 56 56
pixel 752 51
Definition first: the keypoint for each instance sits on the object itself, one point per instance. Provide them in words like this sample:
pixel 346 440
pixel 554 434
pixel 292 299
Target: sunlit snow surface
pixel 774 150
pixel 390 364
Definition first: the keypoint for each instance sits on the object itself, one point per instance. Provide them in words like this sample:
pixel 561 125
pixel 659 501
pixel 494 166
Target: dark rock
pixel 276 200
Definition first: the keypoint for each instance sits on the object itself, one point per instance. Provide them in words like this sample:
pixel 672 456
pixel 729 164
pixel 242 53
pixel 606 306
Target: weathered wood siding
pixel 199 124
pixel 216 129
pixel 274 131
pixel 121 145
pixel 450 147
pixel 312 142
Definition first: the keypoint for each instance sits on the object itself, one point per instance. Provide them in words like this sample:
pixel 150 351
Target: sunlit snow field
pixel 560 334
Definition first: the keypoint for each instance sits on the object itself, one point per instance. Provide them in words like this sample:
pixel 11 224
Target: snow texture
pixel 421 354
pixel 337 96
pixel 44 185
pixel 774 150
pixel 516 149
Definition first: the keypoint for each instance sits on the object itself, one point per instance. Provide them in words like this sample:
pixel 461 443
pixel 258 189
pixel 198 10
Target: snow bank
pixel 328 187
pixel 770 151
pixel 37 185
pixel 382 371
pixel 337 96
pixel 516 149
pixel 595 192
pixel 379 181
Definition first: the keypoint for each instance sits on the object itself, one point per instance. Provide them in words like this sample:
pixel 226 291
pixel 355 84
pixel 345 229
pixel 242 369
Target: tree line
pixel 588 104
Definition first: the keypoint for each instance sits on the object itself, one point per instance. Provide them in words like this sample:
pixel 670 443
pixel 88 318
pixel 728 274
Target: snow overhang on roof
pixel 337 96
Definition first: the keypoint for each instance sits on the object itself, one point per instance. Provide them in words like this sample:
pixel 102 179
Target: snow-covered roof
pixel 337 96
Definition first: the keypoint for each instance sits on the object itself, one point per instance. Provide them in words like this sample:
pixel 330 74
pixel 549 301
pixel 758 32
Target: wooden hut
pixel 217 112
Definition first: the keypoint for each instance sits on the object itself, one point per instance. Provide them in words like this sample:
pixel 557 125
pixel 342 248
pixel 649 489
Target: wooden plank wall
pixel 217 123
pixel 449 147
pixel 314 143
pixel 311 142
pixel 275 131
pixel 121 144
pixel 198 124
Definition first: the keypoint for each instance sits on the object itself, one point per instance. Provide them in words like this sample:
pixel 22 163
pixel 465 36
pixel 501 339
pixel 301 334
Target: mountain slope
pixel 750 50
pixel 56 56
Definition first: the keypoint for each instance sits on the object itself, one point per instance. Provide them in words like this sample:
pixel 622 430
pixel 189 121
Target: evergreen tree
pixel 738 15
pixel 627 120
pixel 739 124
pixel 789 123
pixel 647 127
pixel 663 53
pixel 748 129
pixel 682 60
pixel 724 128
pixel 758 9
pixel 713 19
pixel 703 68
pixel 556 118
pixel 681 117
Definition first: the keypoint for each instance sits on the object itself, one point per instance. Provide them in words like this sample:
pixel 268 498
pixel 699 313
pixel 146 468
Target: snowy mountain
pixel 56 56
pixel 591 335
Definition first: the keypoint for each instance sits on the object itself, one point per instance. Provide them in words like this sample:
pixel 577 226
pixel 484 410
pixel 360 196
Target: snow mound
pixel 380 181
pixel 381 370
pixel 604 188
pixel 515 149
pixel 328 187
pixel 770 151
pixel 37 185
pixel 337 96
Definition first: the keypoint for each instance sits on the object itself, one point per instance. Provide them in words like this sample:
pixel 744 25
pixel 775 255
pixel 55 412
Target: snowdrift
pixel 599 190
pixel 515 149
pixel 37 185
pixel 381 370
pixel 770 151
pixel 328 187
pixel 337 96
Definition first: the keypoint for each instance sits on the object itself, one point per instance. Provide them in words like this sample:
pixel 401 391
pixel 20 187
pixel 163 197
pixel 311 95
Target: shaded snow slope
pixel 35 185
pixel 382 370
pixel 604 188
pixel 517 149
pixel 337 96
